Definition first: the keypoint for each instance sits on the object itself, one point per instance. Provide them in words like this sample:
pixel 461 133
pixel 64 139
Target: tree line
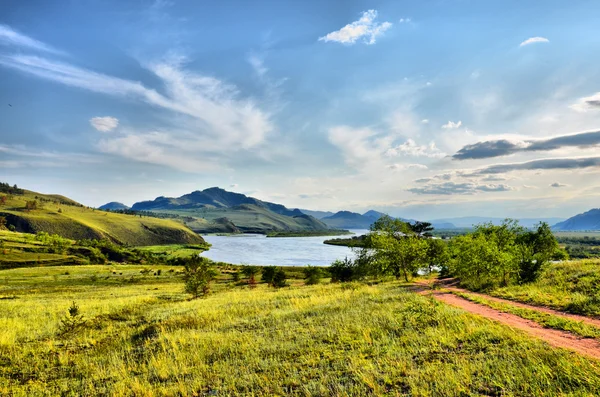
pixel 490 256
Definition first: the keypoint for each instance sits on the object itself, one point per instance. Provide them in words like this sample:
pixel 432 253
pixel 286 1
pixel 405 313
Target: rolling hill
pixel 589 220
pixel 216 210
pixel 59 215
pixel 112 206
pixel 470 221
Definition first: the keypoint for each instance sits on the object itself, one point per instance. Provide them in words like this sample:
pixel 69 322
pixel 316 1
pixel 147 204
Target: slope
pixel 67 218
pixel 589 220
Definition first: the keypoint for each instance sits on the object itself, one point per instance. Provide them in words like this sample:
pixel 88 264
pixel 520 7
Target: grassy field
pixel 143 337
pixel 177 250
pixel 572 286
pixel 62 216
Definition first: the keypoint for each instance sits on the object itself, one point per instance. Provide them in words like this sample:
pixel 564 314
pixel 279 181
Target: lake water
pixel 256 249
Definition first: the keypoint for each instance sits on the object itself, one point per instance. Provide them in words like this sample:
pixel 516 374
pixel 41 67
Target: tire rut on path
pixel 556 338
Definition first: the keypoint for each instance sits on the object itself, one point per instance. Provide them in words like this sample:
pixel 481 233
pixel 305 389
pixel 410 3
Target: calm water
pixel 256 249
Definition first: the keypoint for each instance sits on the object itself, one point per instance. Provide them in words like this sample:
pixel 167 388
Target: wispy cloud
pixel 218 119
pixel 542 164
pixel 465 188
pixel 533 40
pixel 104 124
pixel 587 103
pixel 558 185
pixel 411 148
pixel 503 147
pixel 450 125
pixel 365 28
pixel 401 167
pixel 9 36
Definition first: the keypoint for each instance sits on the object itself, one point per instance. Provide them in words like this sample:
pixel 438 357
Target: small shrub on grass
pixel 268 272
pixel 312 275
pixel 72 322
pixel 343 270
pixel 198 275
pixel 250 272
pixel 279 279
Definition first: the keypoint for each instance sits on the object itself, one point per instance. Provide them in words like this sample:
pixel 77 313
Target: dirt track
pixel 585 346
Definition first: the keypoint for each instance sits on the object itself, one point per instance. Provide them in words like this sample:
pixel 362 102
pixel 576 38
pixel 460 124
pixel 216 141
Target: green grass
pixel 63 217
pixel 145 338
pixel 546 320
pixel 177 250
pixel 572 286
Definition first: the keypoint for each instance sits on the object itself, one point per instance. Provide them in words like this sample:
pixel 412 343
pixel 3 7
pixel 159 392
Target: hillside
pixel 112 206
pixel 59 215
pixel 589 220
pixel 317 214
pixel 215 210
pixel 354 220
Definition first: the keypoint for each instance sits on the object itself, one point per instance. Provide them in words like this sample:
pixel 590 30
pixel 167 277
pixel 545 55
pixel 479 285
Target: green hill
pixel 59 215
pixel 216 210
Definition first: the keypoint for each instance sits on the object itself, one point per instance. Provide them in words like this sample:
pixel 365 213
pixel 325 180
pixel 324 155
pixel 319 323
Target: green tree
pixel 197 275
pixel 312 275
pixel 250 272
pixel 343 270
pixel 279 279
pixel 268 272
pixel 399 255
pixel 437 254
pixel 536 248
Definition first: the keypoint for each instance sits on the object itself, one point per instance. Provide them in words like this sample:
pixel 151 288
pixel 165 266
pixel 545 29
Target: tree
pixel 279 279
pixel 398 255
pixel 312 275
pixel 2 222
pixel 536 248
pixel 421 228
pixel 437 254
pixel 250 272
pixel 31 205
pixel 268 272
pixel 343 270
pixel 197 275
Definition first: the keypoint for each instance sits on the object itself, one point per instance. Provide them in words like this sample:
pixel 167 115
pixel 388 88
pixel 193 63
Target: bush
pixel 72 322
pixel 279 279
pixel 312 275
pixel 268 272
pixel 343 270
pixel 198 275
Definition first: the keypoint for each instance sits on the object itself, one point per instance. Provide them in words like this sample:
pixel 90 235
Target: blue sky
pixel 420 109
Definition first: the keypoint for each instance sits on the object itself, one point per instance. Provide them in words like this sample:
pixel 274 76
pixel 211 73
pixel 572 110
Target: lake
pixel 257 249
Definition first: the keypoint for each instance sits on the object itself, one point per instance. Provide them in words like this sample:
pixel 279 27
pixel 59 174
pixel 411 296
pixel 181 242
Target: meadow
pixel 571 286
pixel 141 335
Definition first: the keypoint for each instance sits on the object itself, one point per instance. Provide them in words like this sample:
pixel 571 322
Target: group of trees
pixel 6 188
pixel 492 255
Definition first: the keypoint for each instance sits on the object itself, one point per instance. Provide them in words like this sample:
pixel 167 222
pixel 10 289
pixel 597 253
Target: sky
pixel 421 109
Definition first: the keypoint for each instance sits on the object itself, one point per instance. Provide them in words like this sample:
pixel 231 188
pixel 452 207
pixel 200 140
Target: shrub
pixel 72 322
pixel 312 275
pixel 279 279
pixel 343 270
pixel 268 272
pixel 198 275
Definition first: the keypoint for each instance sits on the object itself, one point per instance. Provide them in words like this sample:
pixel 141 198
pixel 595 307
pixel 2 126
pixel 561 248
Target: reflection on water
pixel 256 249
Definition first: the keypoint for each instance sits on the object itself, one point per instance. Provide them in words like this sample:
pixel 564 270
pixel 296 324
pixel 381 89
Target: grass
pixel 546 320
pixel 177 250
pixel 57 215
pixel 146 338
pixel 572 286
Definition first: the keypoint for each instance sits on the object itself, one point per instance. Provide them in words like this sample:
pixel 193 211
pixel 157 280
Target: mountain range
pixel 589 220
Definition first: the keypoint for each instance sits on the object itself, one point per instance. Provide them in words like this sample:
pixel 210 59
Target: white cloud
pixel 425 121
pixel 365 28
pixel 104 124
pixel 10 36
pixel 450 125
pixel 210 117
pixel 533 40
pixel 258 65
pixel 587 103
pixel 410 148
pixel 405 20
pixel 401 167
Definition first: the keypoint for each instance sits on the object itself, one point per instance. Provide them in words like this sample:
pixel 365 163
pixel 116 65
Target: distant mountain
pixel 112 206
pixel 351 220
pixel 589 220
pixel 470 221
pixel 317 214
pixel 215 210
pixel 374 214
pixel 212 197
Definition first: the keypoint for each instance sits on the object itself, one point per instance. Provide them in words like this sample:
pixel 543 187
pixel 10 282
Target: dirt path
pixel 556 338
